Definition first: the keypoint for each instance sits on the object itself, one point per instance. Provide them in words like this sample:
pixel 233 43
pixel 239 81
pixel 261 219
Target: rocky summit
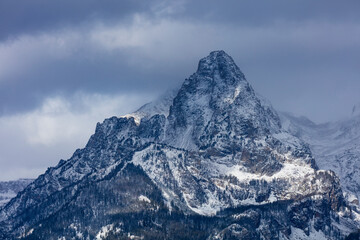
pixel 210 160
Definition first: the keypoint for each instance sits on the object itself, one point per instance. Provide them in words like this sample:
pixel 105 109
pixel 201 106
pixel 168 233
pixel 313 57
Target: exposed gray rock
pixel 216 165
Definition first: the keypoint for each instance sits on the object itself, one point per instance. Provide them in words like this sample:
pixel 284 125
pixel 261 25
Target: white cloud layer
pixel 32 141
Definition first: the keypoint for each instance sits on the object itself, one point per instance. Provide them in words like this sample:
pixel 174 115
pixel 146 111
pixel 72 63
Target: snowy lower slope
pixel 205 184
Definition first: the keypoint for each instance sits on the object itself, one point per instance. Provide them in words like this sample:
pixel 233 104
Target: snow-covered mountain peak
pixel 217 100
pixel 218 62
pixel 219 75
pixel 213 148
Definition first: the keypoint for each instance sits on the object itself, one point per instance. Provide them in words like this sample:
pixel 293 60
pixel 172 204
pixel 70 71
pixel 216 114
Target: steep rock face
pixel 213 163
pixel 215 100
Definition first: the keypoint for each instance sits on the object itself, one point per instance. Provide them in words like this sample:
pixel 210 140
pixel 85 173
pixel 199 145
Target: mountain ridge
pixel 218 156
pixel 335 146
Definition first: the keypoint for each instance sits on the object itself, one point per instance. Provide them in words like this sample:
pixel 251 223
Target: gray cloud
pixel 36 16
pixel 302 55
pixel 64 47
pixel 261 13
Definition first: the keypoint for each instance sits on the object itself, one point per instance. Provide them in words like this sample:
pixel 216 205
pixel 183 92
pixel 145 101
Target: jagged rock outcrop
pixel 213 163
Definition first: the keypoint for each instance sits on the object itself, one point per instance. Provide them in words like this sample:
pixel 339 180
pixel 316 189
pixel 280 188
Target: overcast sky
pixel 65 65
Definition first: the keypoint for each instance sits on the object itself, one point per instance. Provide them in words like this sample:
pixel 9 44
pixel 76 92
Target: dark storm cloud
pixel 251 13
pixel 31 16
pixel 109 74
pixel 295 41
pixel 28 17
